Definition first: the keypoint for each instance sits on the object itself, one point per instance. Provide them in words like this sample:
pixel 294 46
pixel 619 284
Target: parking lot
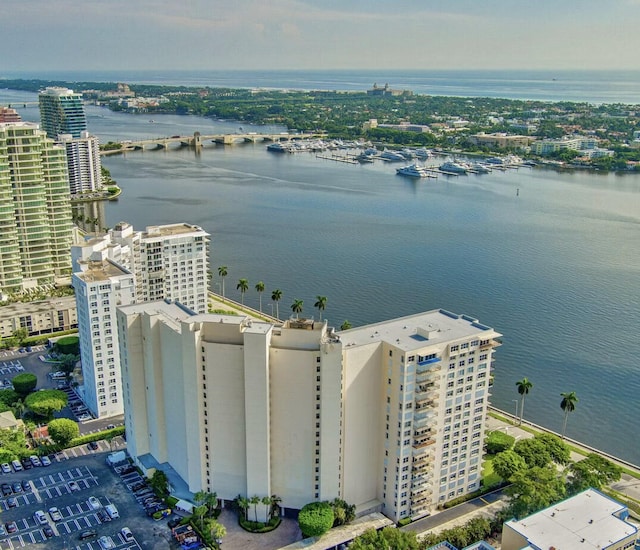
pixel 61 504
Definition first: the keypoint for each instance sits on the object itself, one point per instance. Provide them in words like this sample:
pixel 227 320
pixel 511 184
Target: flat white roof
pixel 584 521
pixel 417 331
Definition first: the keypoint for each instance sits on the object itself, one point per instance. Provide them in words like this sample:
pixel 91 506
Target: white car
pixel 45 461
pixel 126 534
pixel 6 468
pixel 94 503
pixel 106 543
pixel 41 517
pixel 55 514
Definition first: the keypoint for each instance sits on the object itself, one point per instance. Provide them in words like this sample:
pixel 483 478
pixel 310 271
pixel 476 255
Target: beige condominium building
pixel 389 417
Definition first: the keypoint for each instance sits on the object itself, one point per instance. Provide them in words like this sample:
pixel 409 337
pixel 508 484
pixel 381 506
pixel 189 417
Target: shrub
pixel 499 441
pixel 46 402
pixel 63 430
pixel 24 383
pixel 315 519
pixel 68 345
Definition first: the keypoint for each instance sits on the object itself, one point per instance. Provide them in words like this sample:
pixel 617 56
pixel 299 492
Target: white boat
pixel 278 147
pixel 422 153
pixel 479 168
pixel 413 171
pixel 391 156
pixel 454 167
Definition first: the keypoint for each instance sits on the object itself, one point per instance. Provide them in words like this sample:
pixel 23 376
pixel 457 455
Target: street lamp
pixel 516 402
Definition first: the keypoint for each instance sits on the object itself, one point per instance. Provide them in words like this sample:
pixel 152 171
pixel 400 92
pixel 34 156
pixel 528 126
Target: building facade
pixel 35 209
pixel 83 162
pixel 42 317
pixel 390 417
pixel 100 287
pixel 164 261
pixel 61 112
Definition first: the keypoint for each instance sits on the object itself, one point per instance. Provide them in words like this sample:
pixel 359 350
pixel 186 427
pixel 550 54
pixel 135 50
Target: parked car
pixel 46 461
pixel 93 445
pixel 73 486
pixel 35 460
pixel 94 503
pixel 110 426
pixel 55 514
pixel 88 534
pixel 26 463
pixel 11 527
pixel 26 486
pixel 106 543
pixel 17 487
pixel 6 489
pixel 103 516
pixel 12 502
pixel 41 517
pixel 17 466
pixel 126 534
pixel 6 468
pixel 48 532
pixel 112 511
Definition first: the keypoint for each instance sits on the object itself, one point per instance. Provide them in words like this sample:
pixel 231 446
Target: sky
pixel 65 35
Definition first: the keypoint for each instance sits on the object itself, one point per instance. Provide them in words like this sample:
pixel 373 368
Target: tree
pixel 46 402
pixel 524 386
pixel 63 430
pixel 346 325
pixel 216 530
pixel 160 482
pixel 20 335
pixel 14 442
pixel 343 512
pixel 24 383
pixel 243 505
pixel 389 537
pixel 199 512
pixel 507 463
pixel 321 304
pixel 222 273
pixel 266 501
pixel 275 506
pixel 254 501
pixel 534 452
pixel 260 290
pixel 19 408
pixel 276 295
pixel 9 397
pixel 568 404
pixel 498 441
pixel 315 519
pixel 559 451
pixel 242 286
pixel 534 489
pixel 67 363
pixel 296 307
pixel 593 471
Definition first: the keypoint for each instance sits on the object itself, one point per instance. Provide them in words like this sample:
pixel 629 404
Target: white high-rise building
pixel 388 417
pixel 83 162
pixel 100 286
pixel 166 261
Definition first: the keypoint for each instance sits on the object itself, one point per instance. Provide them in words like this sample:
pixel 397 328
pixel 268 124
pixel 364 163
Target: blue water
pixel 555 269
pixel 589 86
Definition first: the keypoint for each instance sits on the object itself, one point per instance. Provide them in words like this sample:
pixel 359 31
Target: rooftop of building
pixel 170 230
pixel 26 308
pixel 95 271
pixel 58 91
pixel 417 331
pixel 172 312
pixel 587 521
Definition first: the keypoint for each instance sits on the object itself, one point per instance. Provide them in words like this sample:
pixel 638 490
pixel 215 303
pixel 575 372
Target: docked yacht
pixel 278 147
pixel 413 171
pixel 454 167
pixel 391 156
pixel 479 168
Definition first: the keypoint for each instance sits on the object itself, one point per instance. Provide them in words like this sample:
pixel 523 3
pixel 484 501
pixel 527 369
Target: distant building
pixel 35 209
pixel 586 520
pixel 7 114
pixel 390 417
pixel 83 162
pixel 62 112
pixel 401 126
pixel 502 140
pixel 575 143
pixel 42 317
pixel 386 91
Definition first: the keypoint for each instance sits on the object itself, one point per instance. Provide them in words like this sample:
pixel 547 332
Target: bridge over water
pixel 197 140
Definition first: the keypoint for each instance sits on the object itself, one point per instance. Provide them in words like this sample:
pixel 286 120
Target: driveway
pixel 239 539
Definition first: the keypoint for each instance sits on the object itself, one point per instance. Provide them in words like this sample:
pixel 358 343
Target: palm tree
pixel 243 504
pixel 524 386
pixel 296 307
pixel 19 408
pixel 266 501
pixel 242 286
pixel 275 506
pixel 222 273
pixel 260 290
pixel 255 500
pixel 568 404
pixel 275 296
pixel 321 304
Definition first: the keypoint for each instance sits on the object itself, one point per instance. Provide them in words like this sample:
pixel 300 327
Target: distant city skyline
pixel 333 34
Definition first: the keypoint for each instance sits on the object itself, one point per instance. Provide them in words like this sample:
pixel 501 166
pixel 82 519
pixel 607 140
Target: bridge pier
pixel 196 143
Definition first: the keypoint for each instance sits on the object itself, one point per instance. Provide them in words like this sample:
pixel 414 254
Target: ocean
pixel 584 86
pixel 551 260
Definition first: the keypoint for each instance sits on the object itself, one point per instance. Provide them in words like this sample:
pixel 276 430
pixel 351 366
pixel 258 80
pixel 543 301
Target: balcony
pixel 422 432
pixel 425 402
pixel 490 344
pixel 425 442
pixel 426 377
pixel 420 467
pixel 428 365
